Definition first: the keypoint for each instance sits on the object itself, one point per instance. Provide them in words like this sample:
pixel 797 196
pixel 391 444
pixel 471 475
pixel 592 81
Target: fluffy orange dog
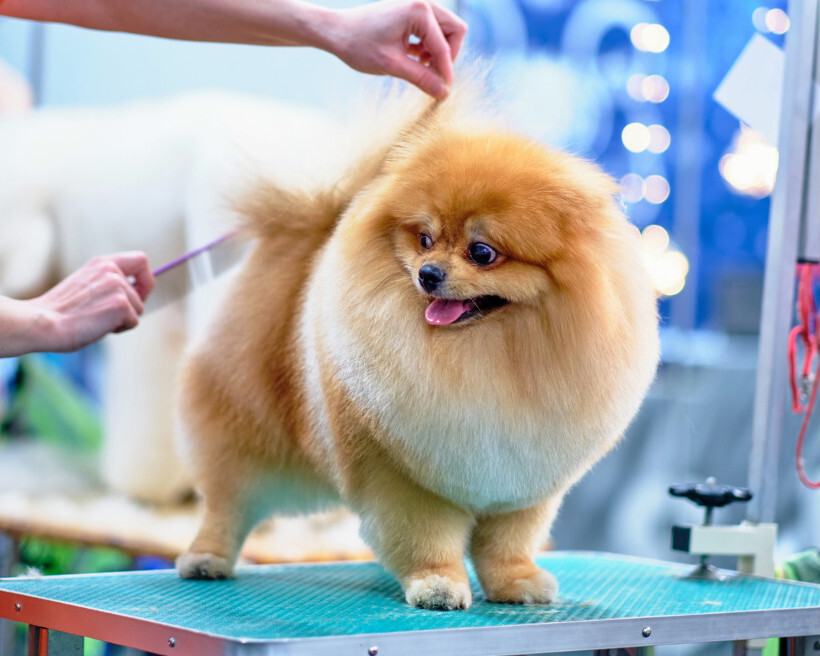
pixel 445 341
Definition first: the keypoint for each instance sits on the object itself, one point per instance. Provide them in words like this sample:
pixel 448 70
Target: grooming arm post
pixel 788 220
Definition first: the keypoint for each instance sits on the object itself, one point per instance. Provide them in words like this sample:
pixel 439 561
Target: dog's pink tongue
pixel 443 311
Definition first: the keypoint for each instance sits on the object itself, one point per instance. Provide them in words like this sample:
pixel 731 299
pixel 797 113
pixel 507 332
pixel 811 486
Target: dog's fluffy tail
pixel 387 123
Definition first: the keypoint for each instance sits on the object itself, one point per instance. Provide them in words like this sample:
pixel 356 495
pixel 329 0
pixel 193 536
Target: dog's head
pixel 485 223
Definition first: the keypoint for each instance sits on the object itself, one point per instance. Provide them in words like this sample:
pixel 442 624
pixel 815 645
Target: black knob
pixel 711 495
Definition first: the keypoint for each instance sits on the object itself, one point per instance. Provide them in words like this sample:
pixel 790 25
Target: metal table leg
pixel 803 646
pixel 44 642
pixel 8 557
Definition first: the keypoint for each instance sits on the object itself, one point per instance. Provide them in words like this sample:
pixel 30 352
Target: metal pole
pixel 687 198
pixel 785 218
pixel 809 244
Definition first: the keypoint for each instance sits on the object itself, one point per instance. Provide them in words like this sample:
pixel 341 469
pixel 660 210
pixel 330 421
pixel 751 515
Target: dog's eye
pixel 425 240
pixel 483 254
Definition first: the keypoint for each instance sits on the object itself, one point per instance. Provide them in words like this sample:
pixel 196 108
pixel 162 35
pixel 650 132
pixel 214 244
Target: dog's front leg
pixel 416 535
pixel 502 549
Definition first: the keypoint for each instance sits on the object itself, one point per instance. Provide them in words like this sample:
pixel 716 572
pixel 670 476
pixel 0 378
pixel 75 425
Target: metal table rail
pixel 605 602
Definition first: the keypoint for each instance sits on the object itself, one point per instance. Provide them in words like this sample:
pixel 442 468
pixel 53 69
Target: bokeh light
pixel 777 21
pixel 657 189
pixel 669 275
pixel 636 137
pixel 634 87
pixel 647 88
pixel 659 139
pixel 759 19
pixel 768 20
pixel 750 166
pixel 655 88
pixel 666 265
pixel 633 188
pixel 650 37
pixel 654 239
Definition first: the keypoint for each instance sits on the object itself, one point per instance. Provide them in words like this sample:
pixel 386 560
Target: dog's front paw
pixel 436 592
pixel 540 587
pixel 203 566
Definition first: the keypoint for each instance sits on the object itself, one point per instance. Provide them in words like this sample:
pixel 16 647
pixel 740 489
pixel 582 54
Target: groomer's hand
pixel 106 295
pixel 376 38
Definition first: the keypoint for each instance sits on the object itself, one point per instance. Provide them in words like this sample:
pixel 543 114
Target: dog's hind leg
pixel 225 525
pixel 235 504
pixel 502 549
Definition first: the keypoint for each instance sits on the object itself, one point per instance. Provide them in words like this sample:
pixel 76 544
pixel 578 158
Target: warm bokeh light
pixel 636 137
pixel 669 274
pixel 654 239
pixel 667 266
pixel 650 37
pixel 750 166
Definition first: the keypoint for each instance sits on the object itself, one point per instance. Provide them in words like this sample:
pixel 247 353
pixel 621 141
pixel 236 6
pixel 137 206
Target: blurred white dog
pixel 154 176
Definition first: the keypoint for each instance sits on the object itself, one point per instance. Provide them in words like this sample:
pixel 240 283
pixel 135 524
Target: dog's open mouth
pixel 446 311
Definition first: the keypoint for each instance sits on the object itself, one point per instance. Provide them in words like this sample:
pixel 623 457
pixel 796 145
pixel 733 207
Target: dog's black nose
pixel 430 277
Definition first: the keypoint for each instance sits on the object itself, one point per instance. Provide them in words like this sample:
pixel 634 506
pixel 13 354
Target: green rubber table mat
pixel 604 601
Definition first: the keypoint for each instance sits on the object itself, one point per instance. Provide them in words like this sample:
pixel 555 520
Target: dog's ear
pixel 28 253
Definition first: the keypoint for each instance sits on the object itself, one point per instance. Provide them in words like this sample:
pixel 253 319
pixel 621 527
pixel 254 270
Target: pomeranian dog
pixel 445 340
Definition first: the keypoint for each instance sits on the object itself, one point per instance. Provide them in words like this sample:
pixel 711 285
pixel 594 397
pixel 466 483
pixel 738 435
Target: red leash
pixel 804 386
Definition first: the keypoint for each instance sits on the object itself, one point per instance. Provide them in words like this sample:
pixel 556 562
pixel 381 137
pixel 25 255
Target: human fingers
pixel 91 302
pixel 127 315
pixel 133 296
pixel 431 38
pixel 419 52
pixel 424 77
pixel 452 26
pixel 134 264
pixel 114 288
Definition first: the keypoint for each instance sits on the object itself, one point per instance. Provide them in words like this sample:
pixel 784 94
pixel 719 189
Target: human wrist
pixel 320 27
pixel 26 327
pixel 44 328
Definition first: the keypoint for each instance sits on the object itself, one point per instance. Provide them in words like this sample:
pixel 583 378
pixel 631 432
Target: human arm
pixel 372 38
pixel 96 299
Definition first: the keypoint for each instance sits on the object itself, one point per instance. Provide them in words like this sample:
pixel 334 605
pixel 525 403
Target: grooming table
pixel 605 601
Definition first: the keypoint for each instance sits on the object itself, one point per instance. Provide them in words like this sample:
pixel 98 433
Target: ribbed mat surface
pixel 300 601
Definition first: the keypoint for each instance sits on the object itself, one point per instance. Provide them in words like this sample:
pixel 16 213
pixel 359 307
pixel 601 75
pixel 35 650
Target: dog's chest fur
pixel 481 452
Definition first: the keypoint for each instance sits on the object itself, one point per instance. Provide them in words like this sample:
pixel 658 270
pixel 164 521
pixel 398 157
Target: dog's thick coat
pixel 446 341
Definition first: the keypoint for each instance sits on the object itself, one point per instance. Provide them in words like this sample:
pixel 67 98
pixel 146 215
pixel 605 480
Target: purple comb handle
pixel 182 259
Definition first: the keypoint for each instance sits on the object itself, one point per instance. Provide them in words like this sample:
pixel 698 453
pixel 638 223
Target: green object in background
pixel 52 558
pixel 804 567
pixel 47 404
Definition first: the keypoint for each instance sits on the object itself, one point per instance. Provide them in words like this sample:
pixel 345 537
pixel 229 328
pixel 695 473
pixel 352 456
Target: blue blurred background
pixel 579 74
pixel 629 84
